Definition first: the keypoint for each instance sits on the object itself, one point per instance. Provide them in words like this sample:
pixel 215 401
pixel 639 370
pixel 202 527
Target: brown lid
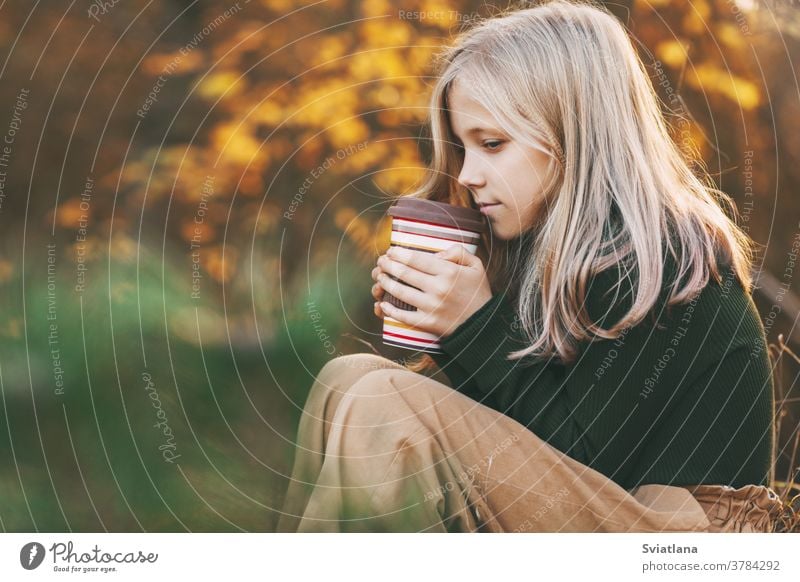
pixel 439 213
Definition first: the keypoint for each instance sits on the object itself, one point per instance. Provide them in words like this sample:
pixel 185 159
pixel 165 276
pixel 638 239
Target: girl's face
pixel 506 176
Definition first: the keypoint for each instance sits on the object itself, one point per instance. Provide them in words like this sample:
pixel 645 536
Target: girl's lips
pixel 488 208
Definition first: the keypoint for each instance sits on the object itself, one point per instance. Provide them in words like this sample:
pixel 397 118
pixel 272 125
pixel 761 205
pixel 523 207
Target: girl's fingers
pixel 377 291
pixel 418 260
pixel 404 292
pixel 413 318
pixel 408 275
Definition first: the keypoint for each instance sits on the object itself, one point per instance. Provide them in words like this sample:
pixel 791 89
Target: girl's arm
pixel 513 387
pixel 534 392
pixel 687 398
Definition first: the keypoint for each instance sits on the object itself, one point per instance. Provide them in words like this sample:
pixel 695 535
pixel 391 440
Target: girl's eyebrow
pixel 477 130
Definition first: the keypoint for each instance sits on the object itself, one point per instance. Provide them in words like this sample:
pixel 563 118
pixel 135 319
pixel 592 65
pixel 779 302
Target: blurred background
pixel 192 197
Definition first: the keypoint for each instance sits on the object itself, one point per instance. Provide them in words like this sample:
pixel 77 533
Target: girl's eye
pixel 492 144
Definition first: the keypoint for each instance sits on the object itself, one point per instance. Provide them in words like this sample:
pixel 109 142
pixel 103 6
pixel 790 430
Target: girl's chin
pixel 504 231
pixel 501 234
pixel 505 234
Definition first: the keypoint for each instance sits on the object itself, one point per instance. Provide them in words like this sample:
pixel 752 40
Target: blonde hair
pixel 564 74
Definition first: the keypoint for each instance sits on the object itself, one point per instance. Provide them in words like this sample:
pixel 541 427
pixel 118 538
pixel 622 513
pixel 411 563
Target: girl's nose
pixel 471 175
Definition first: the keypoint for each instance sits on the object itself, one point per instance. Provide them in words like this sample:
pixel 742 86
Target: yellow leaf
pixel 331 47
pixel 280 5
pixel 377 65
pixel 219 268
pixel 375 7
pixel 218 84
pixel 398 179
pixel 746 93
pixel 172 63
pixel 350 131
pixel 269 112
pixel 385 33
pixel 419 56
pixel 374 154
pixel 715 80
pixel 69 213
pixel 436 9
pixel 445 16
pixel 202 232
pixel 697 16
pixel 387 96
pixel 672 53
pixel 318 105
pixel 235 145
pixel 730 35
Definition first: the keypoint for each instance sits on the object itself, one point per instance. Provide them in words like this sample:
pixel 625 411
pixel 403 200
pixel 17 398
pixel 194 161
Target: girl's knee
pixel 400 382
pixel 375 403
pixel 340 373
pixel 374 383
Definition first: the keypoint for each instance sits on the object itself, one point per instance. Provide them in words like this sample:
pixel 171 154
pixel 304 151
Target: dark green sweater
pixel 687 404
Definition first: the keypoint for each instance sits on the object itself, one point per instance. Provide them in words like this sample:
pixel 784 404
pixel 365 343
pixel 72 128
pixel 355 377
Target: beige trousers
pixel 381 448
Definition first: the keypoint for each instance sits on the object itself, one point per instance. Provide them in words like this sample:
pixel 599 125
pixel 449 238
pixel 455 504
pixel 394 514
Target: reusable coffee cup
pixel 430 227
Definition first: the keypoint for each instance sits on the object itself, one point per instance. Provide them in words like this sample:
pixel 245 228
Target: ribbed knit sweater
pixel 687 401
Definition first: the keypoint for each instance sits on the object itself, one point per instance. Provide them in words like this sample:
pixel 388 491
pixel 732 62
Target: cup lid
pixel 439 213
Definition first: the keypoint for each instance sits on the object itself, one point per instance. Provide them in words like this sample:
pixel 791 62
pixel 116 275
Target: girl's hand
pixel 450 286
pixel 377 291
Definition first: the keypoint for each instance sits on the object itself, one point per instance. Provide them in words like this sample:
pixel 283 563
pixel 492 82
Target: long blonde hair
pixel 564 74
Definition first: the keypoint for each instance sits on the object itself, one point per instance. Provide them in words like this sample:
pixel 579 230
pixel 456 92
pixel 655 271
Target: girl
pixel 607 364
